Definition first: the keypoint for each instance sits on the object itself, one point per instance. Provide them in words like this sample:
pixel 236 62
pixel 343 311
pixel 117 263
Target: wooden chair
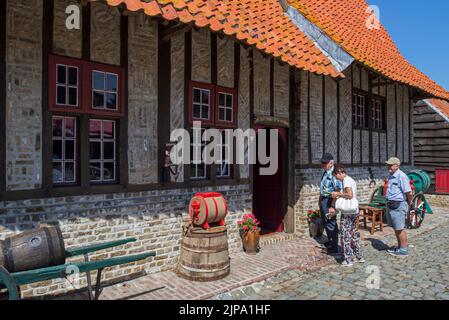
pixel 375 214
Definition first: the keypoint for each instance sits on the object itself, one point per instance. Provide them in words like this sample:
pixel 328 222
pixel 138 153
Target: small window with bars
pixel 198 168
pixel 104 90
pixel 201 104
pixel 67 85
pixel 64 142
pixel 224 167
pixel 359 110
pixel 102 139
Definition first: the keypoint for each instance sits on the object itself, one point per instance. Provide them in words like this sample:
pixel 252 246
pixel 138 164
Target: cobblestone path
pixel 423 275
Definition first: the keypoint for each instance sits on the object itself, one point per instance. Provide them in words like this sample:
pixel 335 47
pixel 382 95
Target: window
pixel 201 104
pixel 378 112
pixel 198 169
pixel 102 150
pixel 226 107
pixel 88 97
pixel 224 168
pixel 358 110
pixel 64 149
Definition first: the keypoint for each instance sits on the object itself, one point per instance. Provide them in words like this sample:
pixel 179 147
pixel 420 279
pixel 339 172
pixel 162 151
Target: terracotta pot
pixel 251 241
pixel 316 228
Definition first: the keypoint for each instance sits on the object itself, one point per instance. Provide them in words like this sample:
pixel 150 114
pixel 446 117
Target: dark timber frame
pixel 2 97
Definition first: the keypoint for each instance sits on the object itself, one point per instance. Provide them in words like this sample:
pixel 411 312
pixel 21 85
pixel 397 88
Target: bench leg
pixel 10 284
pixel 98 288
pixel 89 280
pixel 373 222
pixel 381 215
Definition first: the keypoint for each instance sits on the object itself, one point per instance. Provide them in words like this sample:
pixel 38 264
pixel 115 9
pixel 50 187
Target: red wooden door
pixel 268 190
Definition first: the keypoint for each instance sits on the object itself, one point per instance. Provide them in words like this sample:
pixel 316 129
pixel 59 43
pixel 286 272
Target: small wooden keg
pixel 208 208
pixel 204 254
pixel 33 249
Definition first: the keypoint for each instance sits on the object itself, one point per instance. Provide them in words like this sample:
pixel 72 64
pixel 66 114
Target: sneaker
pixel 392 250
pixel 361 260
pixel 347 264
pixel 399 253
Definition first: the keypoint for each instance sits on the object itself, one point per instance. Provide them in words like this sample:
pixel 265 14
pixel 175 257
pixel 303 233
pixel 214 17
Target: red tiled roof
pixel 441 105
pixel 259 23
pixel 345 21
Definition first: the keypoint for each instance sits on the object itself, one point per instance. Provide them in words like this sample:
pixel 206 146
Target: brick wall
pixel 155 218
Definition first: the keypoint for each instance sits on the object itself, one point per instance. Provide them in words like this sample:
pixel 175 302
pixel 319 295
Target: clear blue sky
pixel 420 29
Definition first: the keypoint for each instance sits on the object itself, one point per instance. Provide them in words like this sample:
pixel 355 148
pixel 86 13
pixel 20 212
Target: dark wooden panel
pixel 432 133
pixel 123 153
pixel 430 141
pixel 434 125
pixel 428 118
pixel 2 97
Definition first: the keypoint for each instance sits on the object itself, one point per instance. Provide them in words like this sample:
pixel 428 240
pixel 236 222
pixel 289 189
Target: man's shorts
pixel 396 218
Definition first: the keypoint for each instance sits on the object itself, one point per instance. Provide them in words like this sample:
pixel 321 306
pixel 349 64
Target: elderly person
pixel 329 184
pixel 349 235
pixel 399 196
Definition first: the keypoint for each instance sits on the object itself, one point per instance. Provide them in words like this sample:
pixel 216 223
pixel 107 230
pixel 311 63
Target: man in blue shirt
pixel 399 196
pixel 329 184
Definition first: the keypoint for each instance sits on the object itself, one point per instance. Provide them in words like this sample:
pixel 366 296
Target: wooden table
pixel 374 214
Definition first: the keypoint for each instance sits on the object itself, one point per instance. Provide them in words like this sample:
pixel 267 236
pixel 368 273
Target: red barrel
pixel 208 208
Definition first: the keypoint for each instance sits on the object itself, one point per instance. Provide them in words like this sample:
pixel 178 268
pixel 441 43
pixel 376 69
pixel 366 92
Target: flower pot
pixel 251 241
pixel 316 228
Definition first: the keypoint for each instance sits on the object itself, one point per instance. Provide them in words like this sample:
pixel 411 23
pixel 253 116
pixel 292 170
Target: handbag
pixel 347 206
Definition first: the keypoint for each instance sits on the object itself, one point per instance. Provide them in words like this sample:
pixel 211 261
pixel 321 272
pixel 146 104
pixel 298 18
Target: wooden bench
pixel 13 281
pixel 375 214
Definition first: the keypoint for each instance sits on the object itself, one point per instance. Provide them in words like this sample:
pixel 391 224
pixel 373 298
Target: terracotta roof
pixel 441 105
pixel 345 21
pixel 259 23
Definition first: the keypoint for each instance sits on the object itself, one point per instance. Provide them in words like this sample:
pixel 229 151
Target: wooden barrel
pixel 204 254
pixel 33 249
pixel 207 208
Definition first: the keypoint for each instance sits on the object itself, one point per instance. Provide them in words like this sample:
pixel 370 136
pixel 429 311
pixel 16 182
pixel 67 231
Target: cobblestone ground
pixel 423 275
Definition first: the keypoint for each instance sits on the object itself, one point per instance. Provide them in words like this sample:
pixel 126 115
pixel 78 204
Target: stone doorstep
pixel 274 238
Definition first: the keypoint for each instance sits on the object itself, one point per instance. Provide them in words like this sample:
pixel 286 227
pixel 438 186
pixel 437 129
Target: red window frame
pixel 85 79
pixel 202 86
pixel 223 123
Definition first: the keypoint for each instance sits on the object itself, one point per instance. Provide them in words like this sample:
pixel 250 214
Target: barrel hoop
pixel 9 259
pixel 205 268
pixel 193 234
pixel 198 249
pixel 51 251
pixel 61 246
pixel 216 208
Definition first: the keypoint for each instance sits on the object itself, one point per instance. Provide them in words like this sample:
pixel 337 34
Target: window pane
pixel 70 127
pixel 108 129
pixel 111 101
pixel 221 99
pixel 69 150
pixel 205 113
pixel 229 100
pixel 60 95
pixel 111 82
pixel 108 150
pixel 95 129
pixel 95 171
pixel 73 92
pixel 196 111
pixel 196 95
pixel 98 99
pixel 57 172
pixel 69 174
pixel 61 74
pixel 98 80
pixel 205 96
pixel 108 171
pixel 57 149
pixel 221 115
pixel 95 150
pixel 73 76
pixel 228 115
pixel 57 127
pixel 201 170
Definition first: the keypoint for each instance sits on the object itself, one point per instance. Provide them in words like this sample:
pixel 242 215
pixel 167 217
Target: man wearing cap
pixel 399 196
pixel 329 184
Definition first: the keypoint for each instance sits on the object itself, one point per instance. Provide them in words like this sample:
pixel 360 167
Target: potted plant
pixel 316 227
pixel 250 233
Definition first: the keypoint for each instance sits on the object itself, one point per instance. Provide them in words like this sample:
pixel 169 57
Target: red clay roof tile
pixel 261 23
pixel 345 21
pixel 441 105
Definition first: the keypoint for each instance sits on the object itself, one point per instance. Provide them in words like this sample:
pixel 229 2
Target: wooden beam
pixel 309 136
pixel 47 45
pixel 272 87
pixel 187 78
pixel 236 167
pixel 124 53
pixel 2 97
pixel 168 33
